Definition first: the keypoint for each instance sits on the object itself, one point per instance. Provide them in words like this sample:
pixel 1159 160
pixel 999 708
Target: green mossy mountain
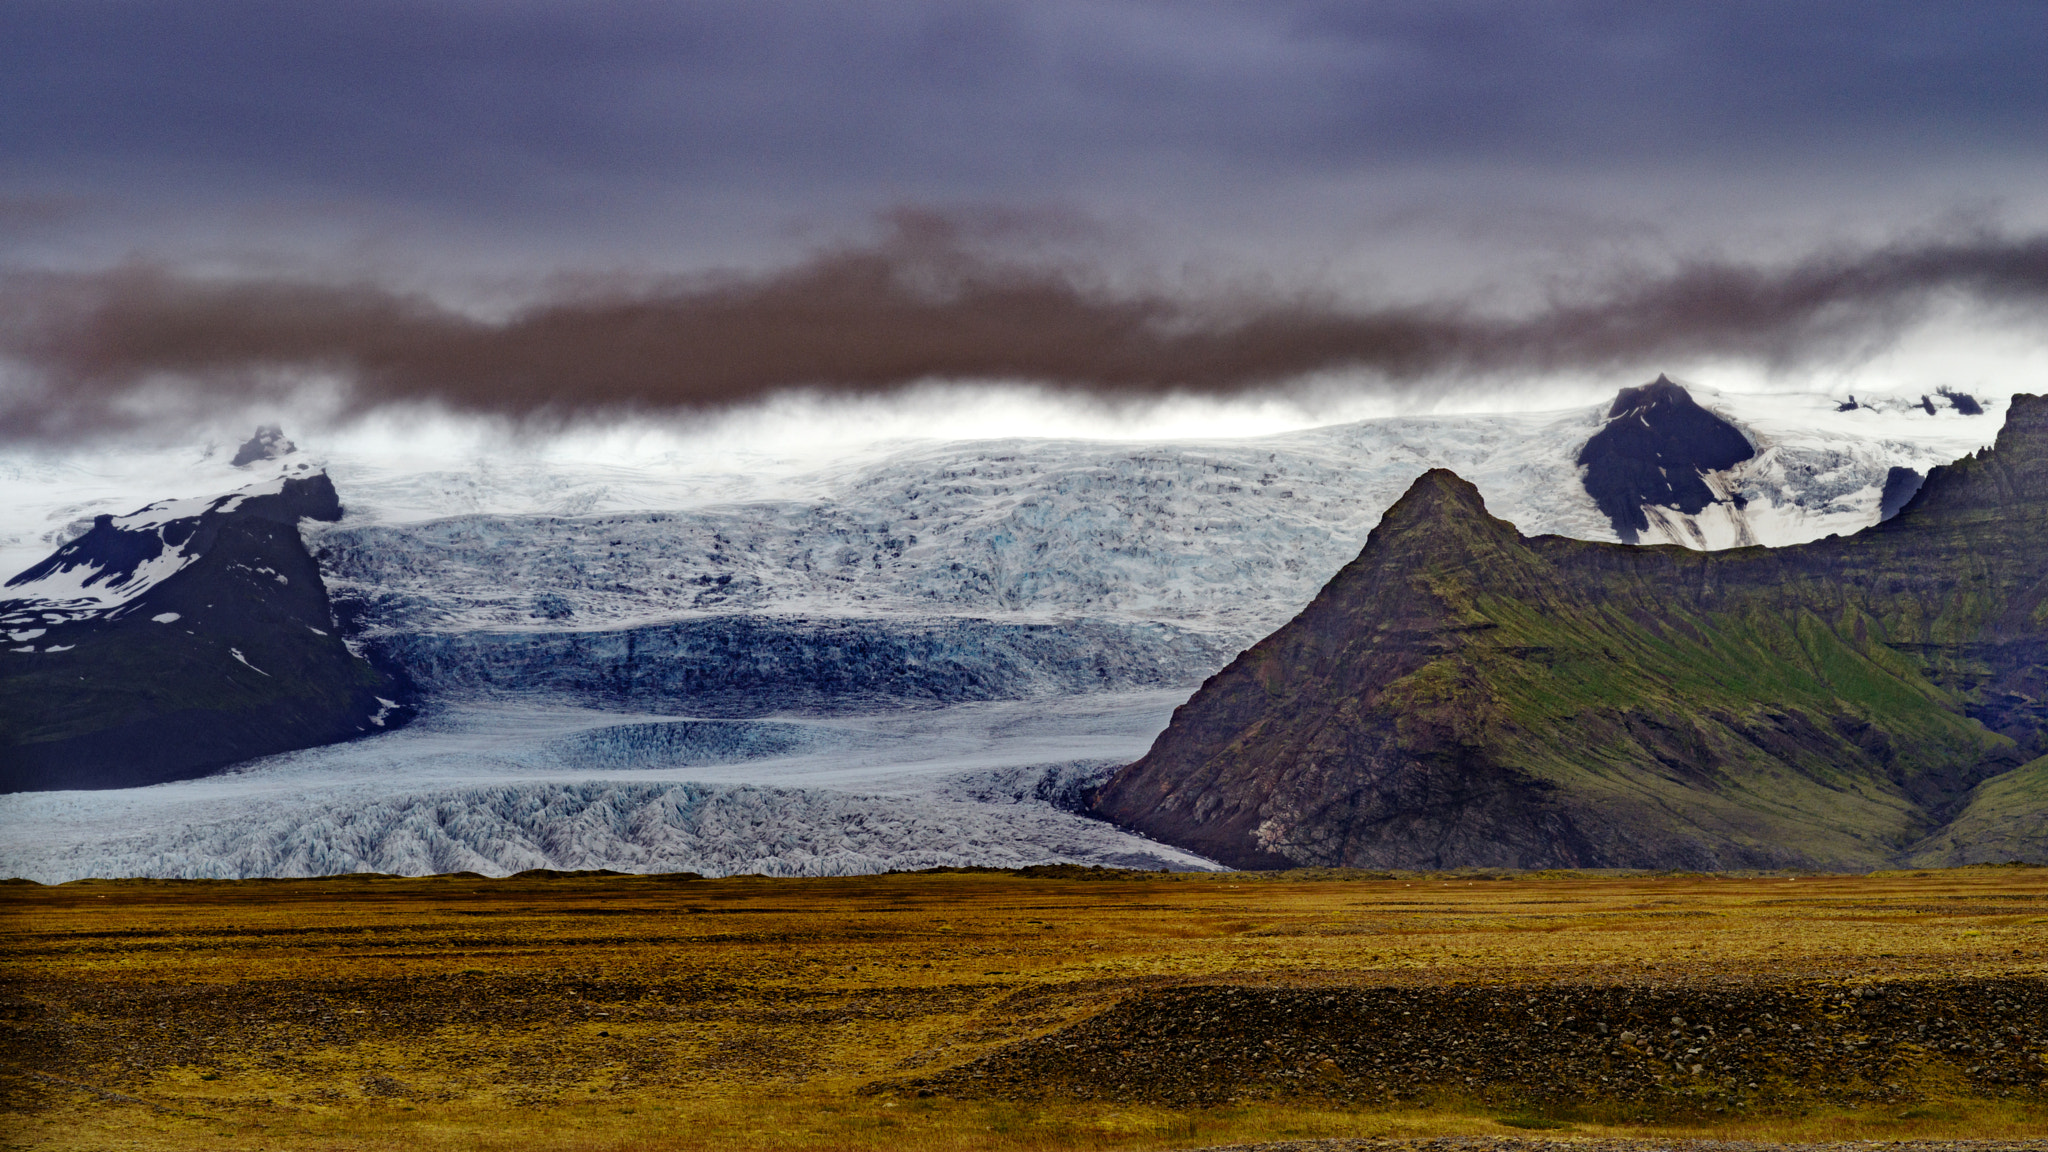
pixel 1462 695
pixel 2006 818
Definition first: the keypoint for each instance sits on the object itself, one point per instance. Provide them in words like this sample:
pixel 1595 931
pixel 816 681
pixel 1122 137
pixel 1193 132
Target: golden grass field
pixel 957 1010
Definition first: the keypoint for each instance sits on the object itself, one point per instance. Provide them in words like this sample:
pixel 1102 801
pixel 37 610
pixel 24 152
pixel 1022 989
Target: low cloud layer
pixel 929 301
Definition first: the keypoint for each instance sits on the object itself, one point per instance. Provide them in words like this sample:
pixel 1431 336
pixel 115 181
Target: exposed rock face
pixel 1656 444
pixel 179 639
pixel 267 444
pixel 1463 695
pixel 1900 485
pixel 1962 402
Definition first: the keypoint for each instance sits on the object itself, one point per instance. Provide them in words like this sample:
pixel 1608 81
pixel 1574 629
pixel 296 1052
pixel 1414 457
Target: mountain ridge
pixel 1462 695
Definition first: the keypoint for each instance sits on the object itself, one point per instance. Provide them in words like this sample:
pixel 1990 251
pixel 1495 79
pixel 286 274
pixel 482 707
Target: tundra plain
pixel 1047 1008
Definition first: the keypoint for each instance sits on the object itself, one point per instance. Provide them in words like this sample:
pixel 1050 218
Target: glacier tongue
pixel 712 829
pixel 498 788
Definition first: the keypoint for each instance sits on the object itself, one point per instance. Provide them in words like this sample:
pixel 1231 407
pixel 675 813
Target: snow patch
pixel 166 617
pixel 148 547
pixel 87 587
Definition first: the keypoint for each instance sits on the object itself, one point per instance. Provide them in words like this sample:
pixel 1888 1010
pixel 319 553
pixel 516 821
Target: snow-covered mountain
pixel 176 640
pixel 105 570
pixel 928 576
pixel 1815 469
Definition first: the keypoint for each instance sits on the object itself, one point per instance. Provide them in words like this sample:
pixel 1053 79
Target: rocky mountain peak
pixel 1659 393
pixel 121 557
pixel 1654 449
pixel 179 638
pixel 1441 522
pixel 1438 492
pixel 267 444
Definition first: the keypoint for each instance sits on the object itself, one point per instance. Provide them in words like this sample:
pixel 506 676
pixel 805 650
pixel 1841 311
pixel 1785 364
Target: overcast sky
pixel 1113 199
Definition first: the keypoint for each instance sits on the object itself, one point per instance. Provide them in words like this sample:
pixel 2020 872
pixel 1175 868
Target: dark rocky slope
pixel 1463 695
pixel 175 641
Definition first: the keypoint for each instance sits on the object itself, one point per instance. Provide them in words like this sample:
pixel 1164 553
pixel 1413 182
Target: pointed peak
pixel 1437 497
pixel 267 444
pixel 1441 488
pixel 1659 393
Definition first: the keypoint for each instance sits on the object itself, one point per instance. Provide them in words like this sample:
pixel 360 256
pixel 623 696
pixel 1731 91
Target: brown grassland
pixel 1054 1008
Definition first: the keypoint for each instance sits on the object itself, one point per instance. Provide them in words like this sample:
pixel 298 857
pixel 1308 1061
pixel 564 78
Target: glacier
pixel 500 787
pixel 915 655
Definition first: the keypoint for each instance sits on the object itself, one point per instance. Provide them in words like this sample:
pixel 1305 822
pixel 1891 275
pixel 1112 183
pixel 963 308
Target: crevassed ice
pixel 1231 537
pixel 500 789
pixel 713 829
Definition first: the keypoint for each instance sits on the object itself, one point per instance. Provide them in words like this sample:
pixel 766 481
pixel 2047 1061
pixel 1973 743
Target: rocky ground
pixel 1615 1051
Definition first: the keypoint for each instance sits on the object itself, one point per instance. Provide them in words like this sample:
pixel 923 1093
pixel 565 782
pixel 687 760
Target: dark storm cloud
pixel 587 130
pixel 933 300
pixel 469 107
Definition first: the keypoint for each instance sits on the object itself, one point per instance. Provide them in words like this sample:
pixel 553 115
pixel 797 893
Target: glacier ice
pixel 497 788
pixel 712 829
pixel 745 665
